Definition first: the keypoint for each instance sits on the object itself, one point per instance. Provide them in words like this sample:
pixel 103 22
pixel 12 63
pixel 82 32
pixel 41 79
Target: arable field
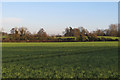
pixel 60 60
pixel 112 37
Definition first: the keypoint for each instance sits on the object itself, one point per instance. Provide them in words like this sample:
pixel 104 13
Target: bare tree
pixel 113 28
pixel 41 34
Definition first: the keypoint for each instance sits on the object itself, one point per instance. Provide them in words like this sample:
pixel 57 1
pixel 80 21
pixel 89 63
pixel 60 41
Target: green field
pixel 60 60
pixel 112 37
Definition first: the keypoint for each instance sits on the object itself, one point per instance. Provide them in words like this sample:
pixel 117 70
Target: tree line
pixel 69 34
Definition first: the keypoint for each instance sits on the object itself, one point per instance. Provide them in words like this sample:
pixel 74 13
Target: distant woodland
pixel 70 34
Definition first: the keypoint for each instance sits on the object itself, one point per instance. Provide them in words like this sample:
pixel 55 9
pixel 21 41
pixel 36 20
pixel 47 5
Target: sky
pixel 54 17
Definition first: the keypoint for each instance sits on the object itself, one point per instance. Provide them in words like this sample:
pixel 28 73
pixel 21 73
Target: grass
pixel 60 60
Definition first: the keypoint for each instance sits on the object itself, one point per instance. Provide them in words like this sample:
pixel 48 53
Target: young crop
pixel 60 60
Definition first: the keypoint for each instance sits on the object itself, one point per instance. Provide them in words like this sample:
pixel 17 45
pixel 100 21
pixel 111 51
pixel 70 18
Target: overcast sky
pixel 54 17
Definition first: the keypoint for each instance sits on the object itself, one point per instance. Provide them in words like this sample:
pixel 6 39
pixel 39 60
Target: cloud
pixel 11 20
